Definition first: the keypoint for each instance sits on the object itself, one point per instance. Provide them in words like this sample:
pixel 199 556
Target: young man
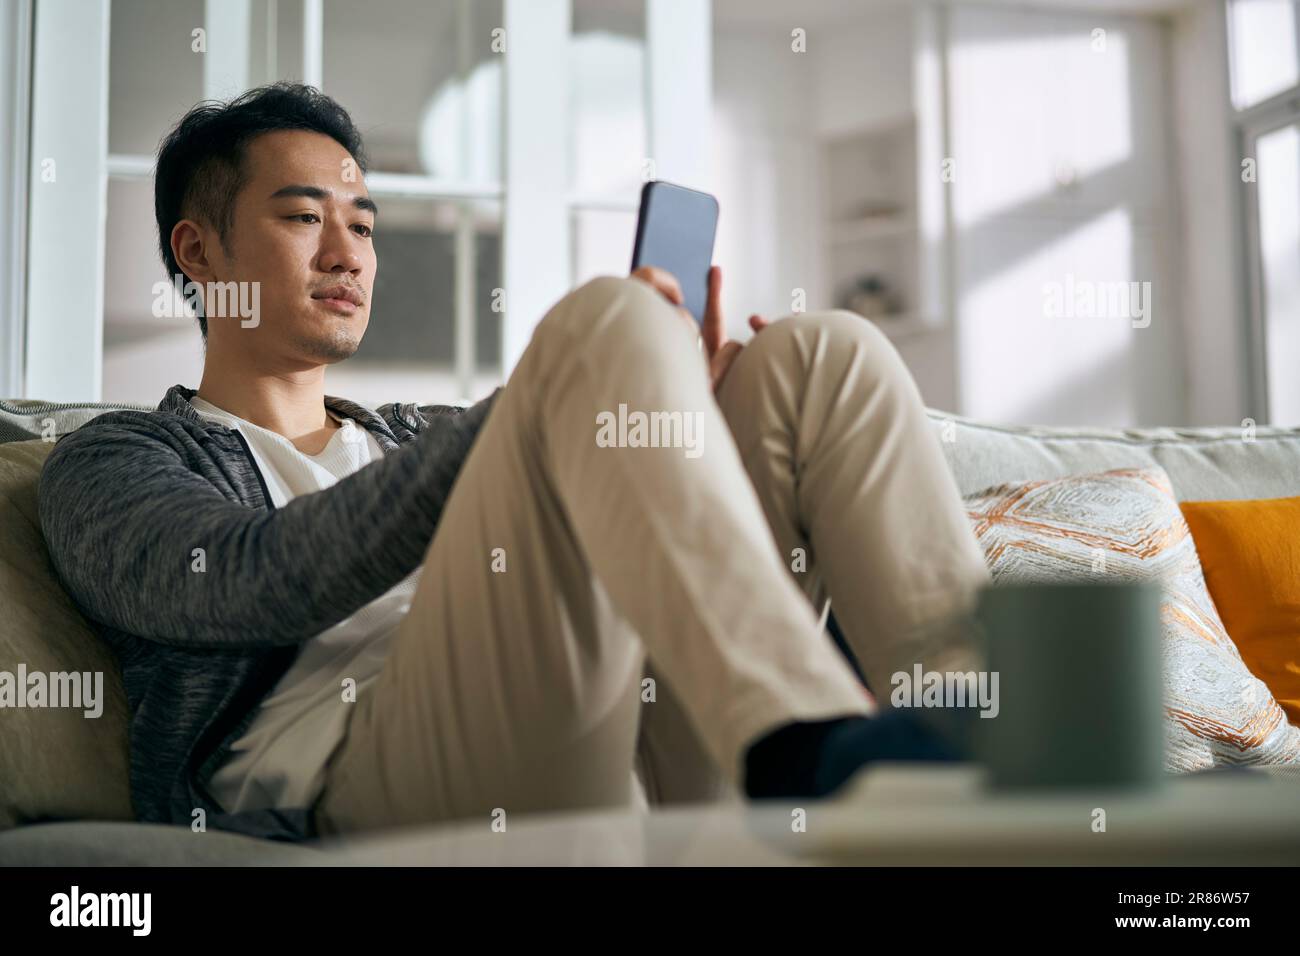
pixel 333 619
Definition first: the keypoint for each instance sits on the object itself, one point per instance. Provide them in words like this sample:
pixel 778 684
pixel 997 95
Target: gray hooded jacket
pixel 126 499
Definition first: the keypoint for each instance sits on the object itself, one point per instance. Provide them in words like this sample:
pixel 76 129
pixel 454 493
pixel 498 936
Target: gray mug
pixel 1079 685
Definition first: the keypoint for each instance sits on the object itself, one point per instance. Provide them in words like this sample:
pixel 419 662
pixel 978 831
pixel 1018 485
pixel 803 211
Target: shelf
pixel 869 230
pixel 907 324
pixel 885 128
pixel 870 226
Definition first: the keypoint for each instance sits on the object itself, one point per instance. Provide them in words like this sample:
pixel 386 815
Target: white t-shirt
pixel 280 759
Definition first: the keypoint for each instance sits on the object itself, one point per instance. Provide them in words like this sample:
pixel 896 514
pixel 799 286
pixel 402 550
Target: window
pixel 1275 254
pixel 489 214
pixel 1264 37
pixel 433 133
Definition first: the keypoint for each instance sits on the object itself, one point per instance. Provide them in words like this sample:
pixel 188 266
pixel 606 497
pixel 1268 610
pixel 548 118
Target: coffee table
pixel 894 815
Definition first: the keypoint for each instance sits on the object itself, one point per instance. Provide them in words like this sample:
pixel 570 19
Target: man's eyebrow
pixel 315 192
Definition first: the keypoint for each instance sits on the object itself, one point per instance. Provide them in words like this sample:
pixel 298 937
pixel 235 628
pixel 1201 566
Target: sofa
pixel 64 797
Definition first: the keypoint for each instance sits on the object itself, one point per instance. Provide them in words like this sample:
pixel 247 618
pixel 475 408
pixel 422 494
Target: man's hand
pixel 720 350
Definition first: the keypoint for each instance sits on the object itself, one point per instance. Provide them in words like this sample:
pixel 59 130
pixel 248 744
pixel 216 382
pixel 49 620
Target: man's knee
pixel 832 340
pixel 614 319
pixel 601 305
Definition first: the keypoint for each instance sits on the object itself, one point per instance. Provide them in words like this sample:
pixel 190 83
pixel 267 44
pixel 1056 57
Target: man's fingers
pixel 714 327
pixel 662 281
pixel 758 323
pixel 721 362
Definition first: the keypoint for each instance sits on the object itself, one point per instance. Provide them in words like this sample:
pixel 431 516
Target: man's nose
pixel 337 253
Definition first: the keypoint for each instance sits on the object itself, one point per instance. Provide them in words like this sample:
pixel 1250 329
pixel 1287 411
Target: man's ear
pixel 192 246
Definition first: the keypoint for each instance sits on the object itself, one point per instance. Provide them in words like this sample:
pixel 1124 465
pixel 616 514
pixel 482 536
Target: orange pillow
pixel 1250 554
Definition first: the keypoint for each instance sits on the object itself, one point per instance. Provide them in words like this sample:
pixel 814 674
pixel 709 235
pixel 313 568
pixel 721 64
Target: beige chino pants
pixel 591 614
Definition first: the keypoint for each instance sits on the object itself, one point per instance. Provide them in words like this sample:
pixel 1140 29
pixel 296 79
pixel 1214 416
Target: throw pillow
pixel 1250 553
pixel 1126 524
pixel 55 762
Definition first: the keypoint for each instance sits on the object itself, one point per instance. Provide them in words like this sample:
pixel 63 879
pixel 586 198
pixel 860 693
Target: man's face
pixel 301 228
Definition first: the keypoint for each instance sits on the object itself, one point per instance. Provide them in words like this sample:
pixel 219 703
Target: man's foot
pixel 815 758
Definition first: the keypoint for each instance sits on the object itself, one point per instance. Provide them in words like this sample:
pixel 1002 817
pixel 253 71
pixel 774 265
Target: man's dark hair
pixel 200 166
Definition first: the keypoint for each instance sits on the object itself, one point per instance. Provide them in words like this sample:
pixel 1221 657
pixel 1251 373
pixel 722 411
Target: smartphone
pixel 675 232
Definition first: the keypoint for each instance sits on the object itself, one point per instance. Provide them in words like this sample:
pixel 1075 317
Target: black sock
pixel 784 763
pixel 814 758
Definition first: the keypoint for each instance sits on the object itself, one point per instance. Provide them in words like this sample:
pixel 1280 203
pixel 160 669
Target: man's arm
pixel 122 516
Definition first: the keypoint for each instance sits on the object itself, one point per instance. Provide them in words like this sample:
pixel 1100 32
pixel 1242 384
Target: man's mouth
pixel 339 298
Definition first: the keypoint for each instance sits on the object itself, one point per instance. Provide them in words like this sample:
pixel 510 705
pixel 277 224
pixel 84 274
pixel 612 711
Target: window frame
pixel 15 82
pixel 65 361
pixel 1248 125
pixel 1282 111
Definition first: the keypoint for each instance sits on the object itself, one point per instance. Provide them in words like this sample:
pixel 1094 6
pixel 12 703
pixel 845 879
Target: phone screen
pixel 675 232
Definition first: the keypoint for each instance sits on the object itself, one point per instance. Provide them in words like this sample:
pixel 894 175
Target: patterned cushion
pixel 1126 524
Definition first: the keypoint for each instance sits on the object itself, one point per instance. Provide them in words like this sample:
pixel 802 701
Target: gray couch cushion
pixel 1203 463
pixel 22 419
pixel 144 844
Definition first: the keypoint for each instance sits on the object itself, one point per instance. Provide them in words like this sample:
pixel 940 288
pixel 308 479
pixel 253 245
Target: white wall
pixel 864 70
pixel 1153 203
pixel 1192 367
pixel 1214 310
pixel 865 78
pixel 1063 175
pixel 771 107
pixel 764 173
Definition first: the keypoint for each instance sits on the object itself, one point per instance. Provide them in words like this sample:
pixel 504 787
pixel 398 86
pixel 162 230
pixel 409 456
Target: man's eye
pixel 306 216
pixel 365 231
